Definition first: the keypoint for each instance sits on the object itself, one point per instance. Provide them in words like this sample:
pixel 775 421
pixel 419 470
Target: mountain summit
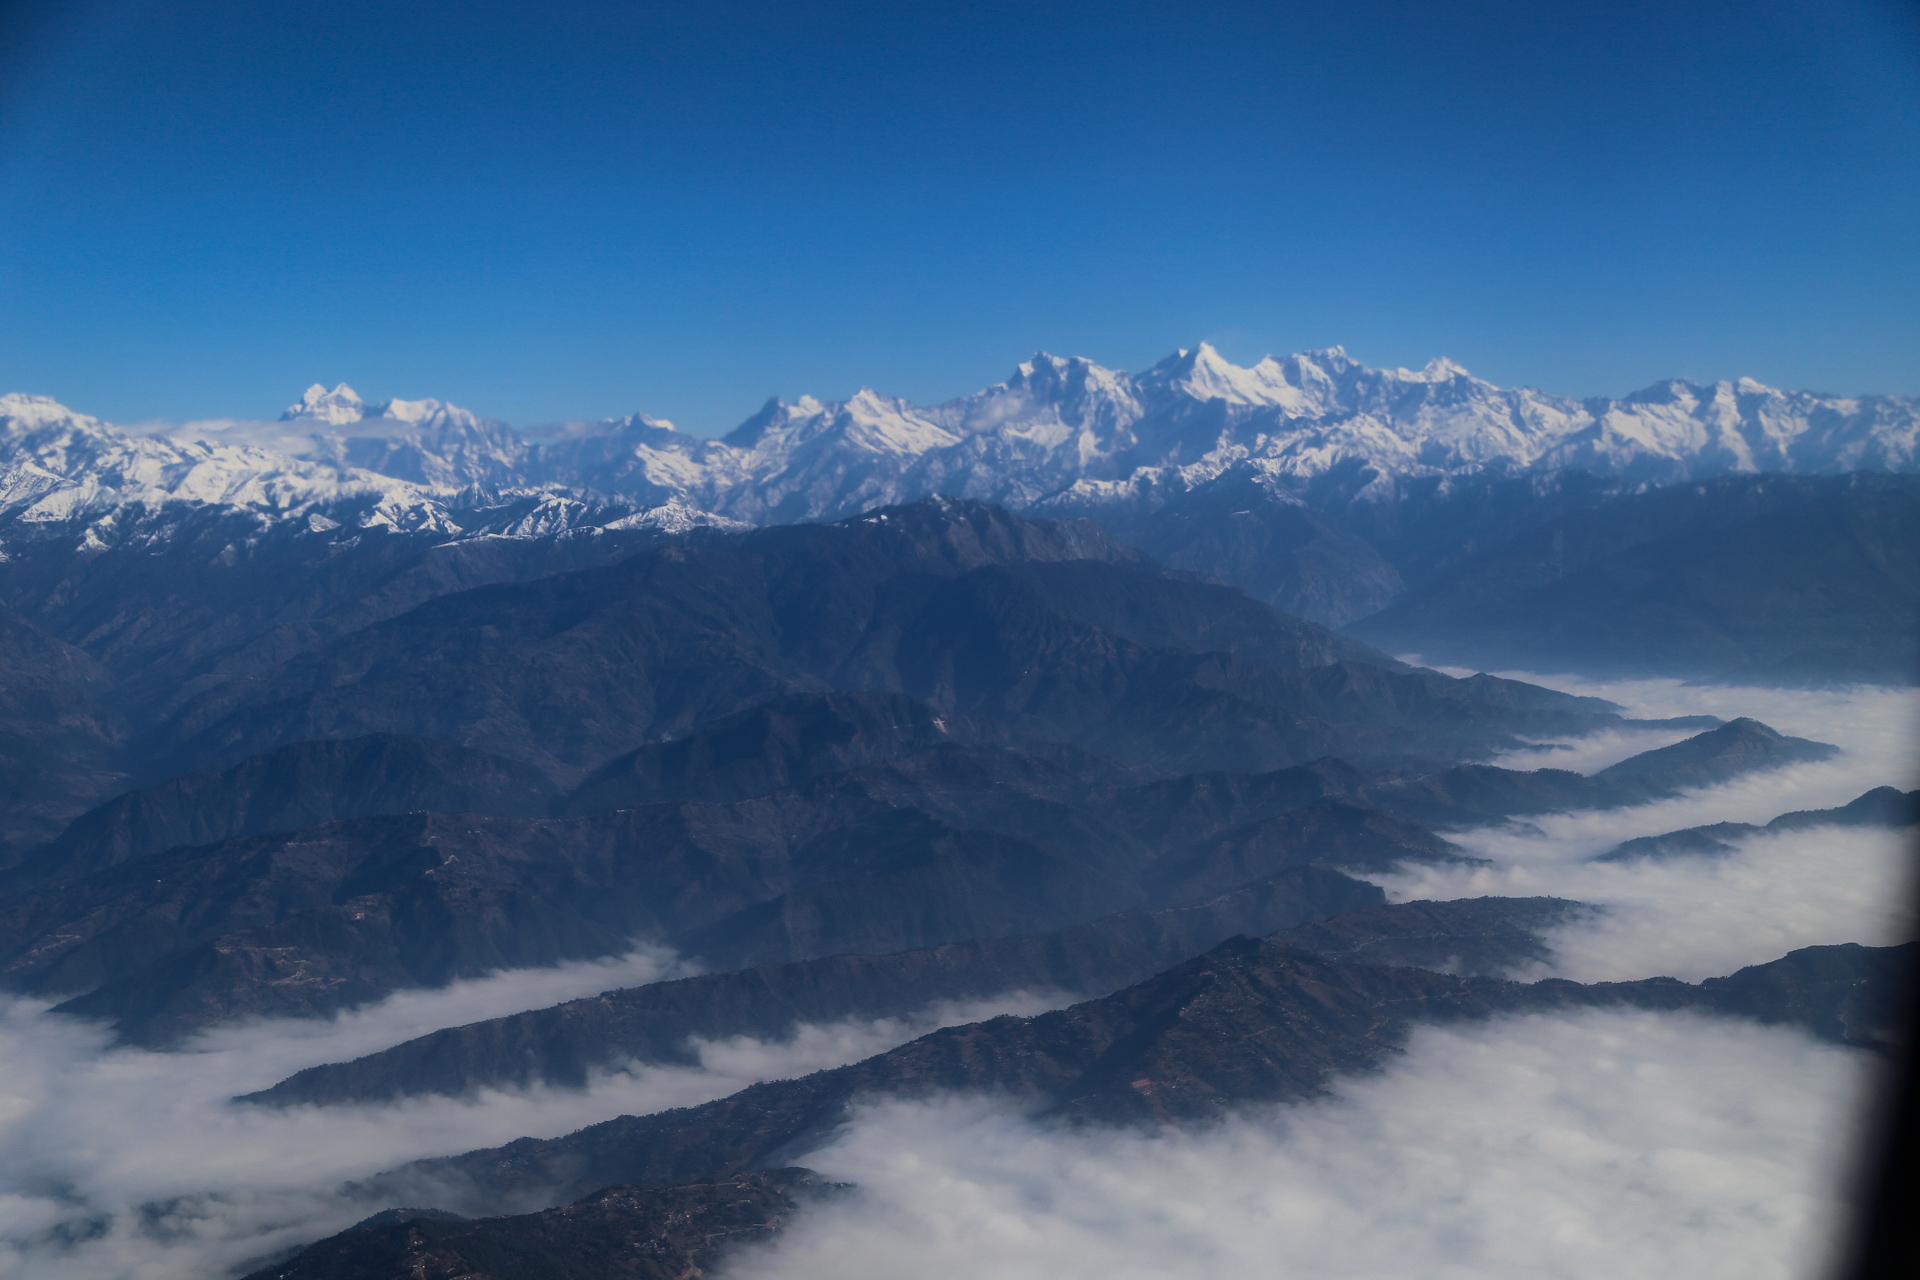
pixel 338 406
pixel 1064 430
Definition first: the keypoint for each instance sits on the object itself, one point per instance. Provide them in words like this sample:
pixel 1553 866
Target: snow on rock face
pixel 1067 426
pixel 1057 429
pixel 338 406
pixel 436 471
pixel 60 466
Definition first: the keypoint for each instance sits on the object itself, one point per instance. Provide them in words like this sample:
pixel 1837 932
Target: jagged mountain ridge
pixel 1057 429
pixel 938 846
pixel 563 1045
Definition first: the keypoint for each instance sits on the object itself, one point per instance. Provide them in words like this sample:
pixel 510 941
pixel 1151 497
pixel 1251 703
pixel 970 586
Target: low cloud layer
pixel 1586 1148
pixel 125 1163
pixel 1696 917
pixel 1878 726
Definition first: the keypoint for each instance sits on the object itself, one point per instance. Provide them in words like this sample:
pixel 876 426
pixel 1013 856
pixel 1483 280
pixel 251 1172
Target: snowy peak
pixel 1204 374
pixel 1072 390
pixel 336 407
pixel 343 407
pixel 21 413
pixel 1060 429
pixel 1439 369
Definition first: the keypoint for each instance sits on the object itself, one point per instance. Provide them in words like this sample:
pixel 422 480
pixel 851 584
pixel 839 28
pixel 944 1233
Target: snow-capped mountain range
pixel 1059 433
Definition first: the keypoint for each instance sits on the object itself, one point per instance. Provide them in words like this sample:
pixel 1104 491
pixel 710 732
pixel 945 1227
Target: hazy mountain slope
pixel 948 844
pixel 960 605
pixel 1240 528
pixel 1327 832
pixel 59 737
pixel 1201 806
pixel 333 916
pixel 299 785
pixel 1742 578
pixel 776 744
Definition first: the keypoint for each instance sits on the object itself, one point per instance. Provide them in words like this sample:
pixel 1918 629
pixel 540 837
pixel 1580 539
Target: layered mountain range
pixel 930 724
pixel 1325 487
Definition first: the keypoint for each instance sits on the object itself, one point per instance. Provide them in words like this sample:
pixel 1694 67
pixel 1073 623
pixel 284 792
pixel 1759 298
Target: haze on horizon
pixel 686 210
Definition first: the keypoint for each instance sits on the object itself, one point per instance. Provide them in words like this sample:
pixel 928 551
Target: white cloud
pixel 294 439
pixel 181 1183
pixel 1593 752
pixel 1879 726
pixel 1585 1147
pixel 1698 917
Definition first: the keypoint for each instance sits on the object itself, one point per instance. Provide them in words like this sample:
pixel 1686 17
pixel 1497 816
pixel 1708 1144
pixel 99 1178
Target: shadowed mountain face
pixel 945 845
pixel 175 614
pixel 1051 630
pixel 1759 579
pixel 59 739
pixel 295 786
pixel 1328 831
pixel 925 725
pixel 1250 1021
pixel 776 744
pixel 337 915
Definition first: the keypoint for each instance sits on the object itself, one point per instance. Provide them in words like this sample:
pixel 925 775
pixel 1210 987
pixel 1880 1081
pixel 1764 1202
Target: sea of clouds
pixel 118 1162
pixel 1698 917
pixel 1590 1146
pixel 1585 1145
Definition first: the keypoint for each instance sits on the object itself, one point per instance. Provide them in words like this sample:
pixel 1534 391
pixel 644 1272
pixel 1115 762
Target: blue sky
pixel 572 210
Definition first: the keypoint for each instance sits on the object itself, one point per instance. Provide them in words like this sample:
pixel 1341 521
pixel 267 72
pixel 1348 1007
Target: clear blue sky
pixel 563 210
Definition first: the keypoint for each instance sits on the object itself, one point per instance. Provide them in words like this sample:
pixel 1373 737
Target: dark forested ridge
pixel 562 1045
pixel 641 1233
pixel 1250 1021
pixel 955 843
